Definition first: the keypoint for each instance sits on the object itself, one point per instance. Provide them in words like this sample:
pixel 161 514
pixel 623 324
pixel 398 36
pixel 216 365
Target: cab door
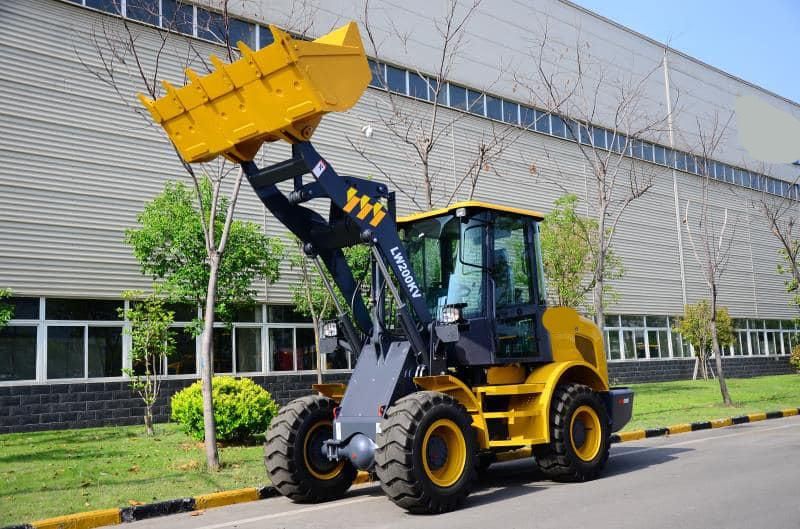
pixel 516 307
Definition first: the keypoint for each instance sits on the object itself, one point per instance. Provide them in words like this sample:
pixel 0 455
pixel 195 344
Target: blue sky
pixel 757 41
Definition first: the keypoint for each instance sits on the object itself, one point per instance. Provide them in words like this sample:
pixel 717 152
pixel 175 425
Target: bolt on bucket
pixel 278 92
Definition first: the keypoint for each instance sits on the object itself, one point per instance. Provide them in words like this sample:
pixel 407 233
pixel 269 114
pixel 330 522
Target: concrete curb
pixel 675 429
pixel 92 519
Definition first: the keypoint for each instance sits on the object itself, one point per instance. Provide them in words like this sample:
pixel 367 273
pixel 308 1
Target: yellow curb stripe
pixel 633 435
pixel 679 428
pixel 361 477
pixel 789 412
pixel 228 497
pixel 753 417
pixel 83 520
pixel 721 423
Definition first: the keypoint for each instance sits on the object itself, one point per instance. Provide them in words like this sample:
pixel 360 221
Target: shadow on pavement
pixel 503 481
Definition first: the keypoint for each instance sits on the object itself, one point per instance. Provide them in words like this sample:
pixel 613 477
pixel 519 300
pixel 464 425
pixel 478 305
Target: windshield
pixel 447 264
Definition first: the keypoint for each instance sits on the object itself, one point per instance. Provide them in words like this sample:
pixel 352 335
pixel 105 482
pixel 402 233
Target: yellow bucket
pixel 278 92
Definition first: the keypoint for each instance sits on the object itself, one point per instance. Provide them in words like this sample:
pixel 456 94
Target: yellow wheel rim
pixel 312 452
pixel 585 433
pixel 444 453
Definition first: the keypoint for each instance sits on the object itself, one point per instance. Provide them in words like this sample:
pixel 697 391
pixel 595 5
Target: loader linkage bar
pixel 362 211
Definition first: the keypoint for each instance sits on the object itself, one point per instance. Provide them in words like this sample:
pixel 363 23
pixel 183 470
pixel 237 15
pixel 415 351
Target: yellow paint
pixel 322 476
pixel 83 520
pixel 333 390
pixel 228 497
pixel 278 92
pixel 449 471
pixel 566 328
pixel 679 428
pixel 465 396
pixel 362 477
pixel 366 207
pixel 721 423
pixel 590 447
pixel 633 435
pixel 514 374
pixel 789 412
pixel 754 417
pixel 469 204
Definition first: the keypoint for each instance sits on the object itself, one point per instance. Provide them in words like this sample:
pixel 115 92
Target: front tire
pixel 579 435
pixel 293 452
pixel 426 457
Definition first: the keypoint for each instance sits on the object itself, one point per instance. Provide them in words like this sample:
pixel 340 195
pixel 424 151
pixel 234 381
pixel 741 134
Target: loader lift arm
pixel 357 215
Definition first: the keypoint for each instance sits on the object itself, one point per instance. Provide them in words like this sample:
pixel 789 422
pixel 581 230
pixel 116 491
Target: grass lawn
pixel 668 403
pixel 47 474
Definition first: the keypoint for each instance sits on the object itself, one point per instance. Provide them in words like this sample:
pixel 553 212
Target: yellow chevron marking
pixel 366 208
pixel 377 214
pixel 352 200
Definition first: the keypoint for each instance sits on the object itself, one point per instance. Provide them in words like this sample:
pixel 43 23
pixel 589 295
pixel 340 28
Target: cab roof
pixel 469 204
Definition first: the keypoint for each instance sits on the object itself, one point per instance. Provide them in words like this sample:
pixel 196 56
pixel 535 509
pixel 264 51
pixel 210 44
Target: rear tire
pixel 579 435
pixel 426 457
pixel 293 456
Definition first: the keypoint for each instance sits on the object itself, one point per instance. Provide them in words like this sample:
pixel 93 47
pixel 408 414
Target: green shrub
pixel 795 358
pixel 242 409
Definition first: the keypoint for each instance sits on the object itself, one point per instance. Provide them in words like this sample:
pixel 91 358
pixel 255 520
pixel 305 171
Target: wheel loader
pixel 460 362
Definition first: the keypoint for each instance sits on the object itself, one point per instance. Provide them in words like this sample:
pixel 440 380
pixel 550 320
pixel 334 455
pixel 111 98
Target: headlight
pixel 451 314
pixel 330 330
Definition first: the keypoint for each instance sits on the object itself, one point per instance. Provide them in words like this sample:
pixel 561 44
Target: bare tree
pixel 575 99
pixel 782 214
pixel 125 59
pixel 710 239
pixel 429 131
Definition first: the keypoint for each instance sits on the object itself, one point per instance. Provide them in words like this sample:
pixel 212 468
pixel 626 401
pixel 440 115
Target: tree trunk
pixel 207 367
pixel 316 323
pixel 148 419
pixel 723 386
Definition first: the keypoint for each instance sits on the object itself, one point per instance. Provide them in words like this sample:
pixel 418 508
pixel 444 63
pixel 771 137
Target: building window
pixel 494 108
pixel 248 350
pixel 239 30
pixel 527 117
pixel 396 79
pixel 18 353
pixel 177 16
pixel 542 122
pixel 306 349
pixel 109 6
pixel 104 349
pixel 557 126
pixel 265 38
pixel 281 345
pixel 475 100
pixel 184 360
pixel 417 86
pixel 510 112
pixel 143 10
pixel 65 352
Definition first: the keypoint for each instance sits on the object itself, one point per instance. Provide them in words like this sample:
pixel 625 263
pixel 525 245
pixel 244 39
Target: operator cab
pixel 481 264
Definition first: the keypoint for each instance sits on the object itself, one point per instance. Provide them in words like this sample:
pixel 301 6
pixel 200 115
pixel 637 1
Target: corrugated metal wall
pixel 77 163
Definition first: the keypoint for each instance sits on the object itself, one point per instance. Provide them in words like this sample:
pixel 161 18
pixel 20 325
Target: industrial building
pixel 80 159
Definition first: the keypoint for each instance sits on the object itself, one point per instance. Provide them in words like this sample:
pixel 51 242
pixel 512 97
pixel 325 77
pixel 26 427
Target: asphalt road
pixel 746 476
